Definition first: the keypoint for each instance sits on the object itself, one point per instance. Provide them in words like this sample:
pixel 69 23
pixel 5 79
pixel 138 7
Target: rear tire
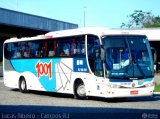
pixel 23 86
pixel 79 90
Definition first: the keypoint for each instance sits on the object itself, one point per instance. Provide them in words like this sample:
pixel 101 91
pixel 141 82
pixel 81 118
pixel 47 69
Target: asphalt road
pixel 35 104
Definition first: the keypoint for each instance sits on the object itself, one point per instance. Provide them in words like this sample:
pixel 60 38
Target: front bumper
pixel 129 92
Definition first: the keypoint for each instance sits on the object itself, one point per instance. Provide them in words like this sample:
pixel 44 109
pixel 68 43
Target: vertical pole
pixel 84 16
pixel 17 5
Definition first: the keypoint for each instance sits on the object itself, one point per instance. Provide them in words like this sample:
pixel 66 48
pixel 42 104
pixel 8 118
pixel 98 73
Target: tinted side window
pixel 11 50
pixel 59 47
pixel 71 46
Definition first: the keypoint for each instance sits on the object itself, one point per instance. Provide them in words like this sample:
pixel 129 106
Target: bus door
pixel 95 63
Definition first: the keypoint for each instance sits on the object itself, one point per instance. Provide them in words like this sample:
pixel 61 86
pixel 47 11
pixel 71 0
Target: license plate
pixel 134 92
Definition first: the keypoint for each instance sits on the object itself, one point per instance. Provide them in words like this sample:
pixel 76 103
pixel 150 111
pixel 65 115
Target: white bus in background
pixel 83 62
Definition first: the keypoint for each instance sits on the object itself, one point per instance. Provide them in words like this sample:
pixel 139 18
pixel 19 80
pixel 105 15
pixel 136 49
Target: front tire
pixel 80 92
pixel 23 86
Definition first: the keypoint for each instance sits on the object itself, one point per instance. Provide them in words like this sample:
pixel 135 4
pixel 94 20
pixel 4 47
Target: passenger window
pixel 51 48
pixel 71 46
pixel 78 46
pixel 65 47
pixel 8 50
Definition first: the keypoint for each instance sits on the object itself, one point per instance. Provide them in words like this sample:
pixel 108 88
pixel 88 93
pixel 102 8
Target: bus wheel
pixel 79 92
pixel 23 85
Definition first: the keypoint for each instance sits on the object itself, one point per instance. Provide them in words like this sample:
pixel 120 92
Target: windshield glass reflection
pixel 127 57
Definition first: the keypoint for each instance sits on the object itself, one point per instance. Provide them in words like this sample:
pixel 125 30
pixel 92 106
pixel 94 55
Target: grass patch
pixel 157 88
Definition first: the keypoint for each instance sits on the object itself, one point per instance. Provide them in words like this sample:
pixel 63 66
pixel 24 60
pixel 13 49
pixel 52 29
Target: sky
pixel 105 13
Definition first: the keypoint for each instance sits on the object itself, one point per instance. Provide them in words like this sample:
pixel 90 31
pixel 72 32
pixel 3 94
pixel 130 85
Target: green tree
pixel 140 19
pixel 155 23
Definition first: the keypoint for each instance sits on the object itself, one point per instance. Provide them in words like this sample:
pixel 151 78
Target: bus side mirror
pixel 102 53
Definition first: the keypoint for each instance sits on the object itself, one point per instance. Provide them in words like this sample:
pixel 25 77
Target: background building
pixel 17 24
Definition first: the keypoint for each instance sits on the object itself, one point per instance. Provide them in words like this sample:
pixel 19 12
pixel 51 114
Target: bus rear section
pixel 52 65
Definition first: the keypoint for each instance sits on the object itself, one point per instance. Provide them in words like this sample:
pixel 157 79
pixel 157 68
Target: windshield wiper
pixel 128 67
pixel 140 69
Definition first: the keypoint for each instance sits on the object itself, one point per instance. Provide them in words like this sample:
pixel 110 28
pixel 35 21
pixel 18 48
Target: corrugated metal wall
pixel 31 21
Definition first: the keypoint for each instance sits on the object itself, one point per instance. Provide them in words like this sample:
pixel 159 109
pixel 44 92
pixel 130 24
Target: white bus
pixel 83 62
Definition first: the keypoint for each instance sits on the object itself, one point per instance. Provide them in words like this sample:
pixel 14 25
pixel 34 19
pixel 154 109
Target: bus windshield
pixel 127 57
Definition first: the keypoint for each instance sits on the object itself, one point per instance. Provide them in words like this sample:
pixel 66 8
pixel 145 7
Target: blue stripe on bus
pixel 120 80
pixel 139 81
pixel 23 65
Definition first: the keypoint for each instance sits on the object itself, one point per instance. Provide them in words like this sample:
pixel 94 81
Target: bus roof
pixel 99 31
pixel 153 34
